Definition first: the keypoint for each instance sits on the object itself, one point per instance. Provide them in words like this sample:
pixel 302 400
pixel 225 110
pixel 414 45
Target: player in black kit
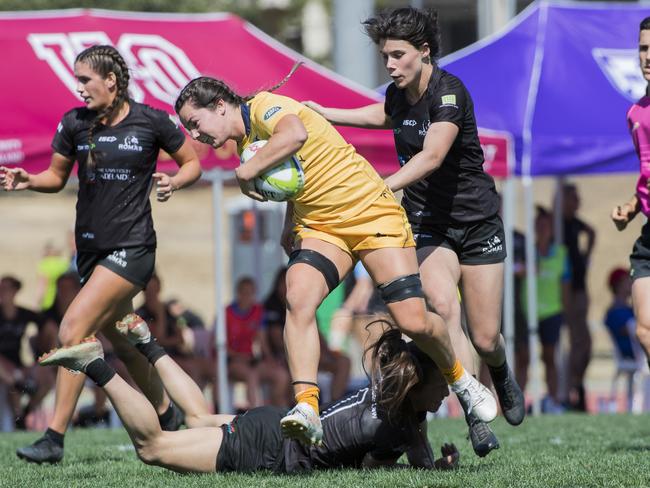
pixel 370 428
pixel 450 201
pixel 116 142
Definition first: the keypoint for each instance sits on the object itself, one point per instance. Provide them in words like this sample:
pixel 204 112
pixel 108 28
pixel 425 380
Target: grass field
pixel 567 451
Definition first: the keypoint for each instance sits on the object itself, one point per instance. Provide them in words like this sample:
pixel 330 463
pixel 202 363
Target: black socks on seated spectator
pixel 151 350
pixel 100 372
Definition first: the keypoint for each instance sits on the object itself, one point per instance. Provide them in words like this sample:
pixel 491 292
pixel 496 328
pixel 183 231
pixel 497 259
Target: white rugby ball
pixel 282 182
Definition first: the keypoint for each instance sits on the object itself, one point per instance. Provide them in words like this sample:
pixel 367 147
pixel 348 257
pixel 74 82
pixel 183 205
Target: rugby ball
pixel 280 183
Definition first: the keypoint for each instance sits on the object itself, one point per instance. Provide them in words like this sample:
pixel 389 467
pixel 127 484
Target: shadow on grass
pixel 621 447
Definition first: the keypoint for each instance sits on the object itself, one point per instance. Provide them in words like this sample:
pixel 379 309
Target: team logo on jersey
pixel 403 159
pixel 448 101
pixel 410 122
pixel 107 139
pixel 131 143
pixel 621 68
pixel 271 112
pixel 425 127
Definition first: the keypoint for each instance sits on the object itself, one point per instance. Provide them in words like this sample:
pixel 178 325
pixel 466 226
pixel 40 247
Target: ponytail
pixel 205 92
pixel 394 371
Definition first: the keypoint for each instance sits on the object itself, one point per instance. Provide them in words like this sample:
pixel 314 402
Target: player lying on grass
pixel 370 428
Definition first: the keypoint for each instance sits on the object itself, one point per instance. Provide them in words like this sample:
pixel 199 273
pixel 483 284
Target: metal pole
pixel 493 14
pixel 509 276
pixel 351 44
pixel 257 248
pixel 531 290
pixel 225 405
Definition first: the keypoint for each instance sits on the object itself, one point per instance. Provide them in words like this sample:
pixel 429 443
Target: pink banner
pixel 164 52
pixel 498 151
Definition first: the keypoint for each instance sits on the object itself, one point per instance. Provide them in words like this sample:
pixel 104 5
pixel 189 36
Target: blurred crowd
pixel 349 320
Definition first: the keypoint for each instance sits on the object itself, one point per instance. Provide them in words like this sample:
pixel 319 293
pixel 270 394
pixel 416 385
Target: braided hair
pixel 205 92
pixel 104 60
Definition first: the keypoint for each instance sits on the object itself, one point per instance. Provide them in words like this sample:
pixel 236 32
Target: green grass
pixel 567 451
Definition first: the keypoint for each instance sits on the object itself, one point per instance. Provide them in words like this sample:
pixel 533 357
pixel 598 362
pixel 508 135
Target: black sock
pixel 54 436
pixel 100 372
pixel 168 415
pixel 151 350
pixel 499 373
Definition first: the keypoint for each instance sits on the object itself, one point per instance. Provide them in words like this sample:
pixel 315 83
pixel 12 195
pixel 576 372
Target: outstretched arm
pixel 421 455
pixel 437 143
pixel 52 180
pixel 368 117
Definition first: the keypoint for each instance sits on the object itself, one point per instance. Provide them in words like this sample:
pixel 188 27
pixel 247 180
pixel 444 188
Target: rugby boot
pixel 511 398
pixel 134 328
pixel 481 436
pixel 475 398
pixel 303 424
pixel 43 450
pixel 75 358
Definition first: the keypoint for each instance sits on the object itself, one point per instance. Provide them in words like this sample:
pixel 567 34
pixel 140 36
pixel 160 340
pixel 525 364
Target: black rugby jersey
pixel 353 427
pixel 459 190
pixel 113 209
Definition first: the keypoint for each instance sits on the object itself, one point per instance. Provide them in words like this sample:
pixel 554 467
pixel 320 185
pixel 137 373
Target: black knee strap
pixel 318 261
pixel 401 289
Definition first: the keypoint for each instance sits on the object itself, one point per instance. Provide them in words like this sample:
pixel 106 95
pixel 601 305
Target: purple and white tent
pixel 559 79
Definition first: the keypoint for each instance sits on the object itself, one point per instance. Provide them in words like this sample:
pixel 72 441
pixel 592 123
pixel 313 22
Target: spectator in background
pixel 331 361
pixel 199 343
pixel 163 324
pixel 19 375
pixel 553 287
pixel 67 287
pixel 244 320
pixel 275 312
pixel 619 318
pixel 579 239
pixel 50 267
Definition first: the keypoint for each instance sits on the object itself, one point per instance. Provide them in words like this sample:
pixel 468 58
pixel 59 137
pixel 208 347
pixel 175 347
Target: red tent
pixel 164 51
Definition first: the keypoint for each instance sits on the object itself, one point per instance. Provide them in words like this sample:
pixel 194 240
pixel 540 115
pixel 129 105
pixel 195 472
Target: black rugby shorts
pixel 481 242
pixel 640 257
pixel 135 264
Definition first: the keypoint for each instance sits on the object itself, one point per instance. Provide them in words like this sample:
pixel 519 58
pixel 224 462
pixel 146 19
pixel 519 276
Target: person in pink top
pixel 638 118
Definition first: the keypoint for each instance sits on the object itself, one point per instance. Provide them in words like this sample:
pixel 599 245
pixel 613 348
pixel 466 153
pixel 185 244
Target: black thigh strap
pixel 318 261
pixel 401 289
